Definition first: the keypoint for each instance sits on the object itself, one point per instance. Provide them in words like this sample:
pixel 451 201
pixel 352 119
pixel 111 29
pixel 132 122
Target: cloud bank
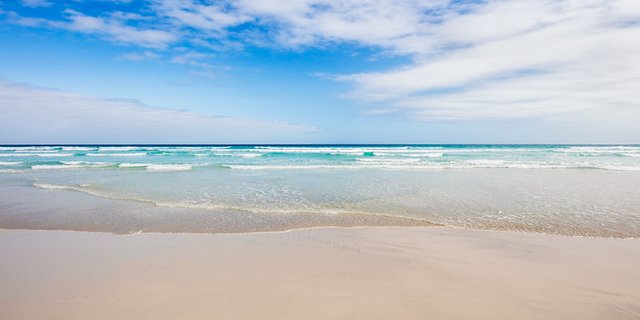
pixel 509 59
pixel 470 60
pixel 48 116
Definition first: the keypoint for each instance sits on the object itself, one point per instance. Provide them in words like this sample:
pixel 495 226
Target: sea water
pixel 561 189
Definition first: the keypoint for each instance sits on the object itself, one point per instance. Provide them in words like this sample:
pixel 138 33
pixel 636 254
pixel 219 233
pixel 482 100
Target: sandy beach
pixel 323 273
pixel 319 160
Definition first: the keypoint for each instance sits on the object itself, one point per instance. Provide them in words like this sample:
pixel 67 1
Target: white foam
pixel 74 162
pixel 388 161
pixel 10 163
pixel 37 151
pixel 282 167
pixel 71 165
pixel 56 166
pixel 184 149
pixel 51 186
pixel 345 166
pixel 134 165
pixel 248 155
pixel 11 171
pixel 78 148
pixel 595 150
pixel 238 154
pixel 124 148
pixel 26 149
pixel 335 150
pixel 169 167
pixel 87 163
pixel 133 154
pixel 35 154
pixel 413 155
pixel 81 188
pixel 429 166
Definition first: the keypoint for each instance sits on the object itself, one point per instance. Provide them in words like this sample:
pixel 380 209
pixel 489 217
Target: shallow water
pixel 571 190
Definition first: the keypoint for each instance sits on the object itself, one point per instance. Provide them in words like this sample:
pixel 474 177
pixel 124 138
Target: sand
pixel 325 273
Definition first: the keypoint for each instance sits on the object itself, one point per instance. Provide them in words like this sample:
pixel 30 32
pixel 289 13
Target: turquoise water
pixel 561 189
pixel 176 158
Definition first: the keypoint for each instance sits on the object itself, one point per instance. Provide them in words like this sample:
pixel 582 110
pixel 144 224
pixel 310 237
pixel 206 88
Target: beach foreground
pixel 324 273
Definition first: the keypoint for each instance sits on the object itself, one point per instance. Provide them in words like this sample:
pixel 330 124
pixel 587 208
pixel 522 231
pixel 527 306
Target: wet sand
pixel 324 273
pixel 36 209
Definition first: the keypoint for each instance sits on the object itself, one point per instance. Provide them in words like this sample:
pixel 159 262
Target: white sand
pixel 328 273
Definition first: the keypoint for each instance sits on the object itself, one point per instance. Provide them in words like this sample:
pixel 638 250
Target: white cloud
pixel 116 30
pixel 494 59
pixel 470 60
pixel 367 22
pixel 40 115
pixel 213 17
pixel 516 59
pixel 112 28
pixel 191 58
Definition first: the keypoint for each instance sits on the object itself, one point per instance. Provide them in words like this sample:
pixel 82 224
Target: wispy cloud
pixel 115 27
pixel 212 17
pixel 36 3
pixel 516 59
pixel 140 56
pixel 190 58
pixel 41 115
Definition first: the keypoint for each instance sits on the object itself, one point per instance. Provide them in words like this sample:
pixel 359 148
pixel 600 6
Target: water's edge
pixel 553 189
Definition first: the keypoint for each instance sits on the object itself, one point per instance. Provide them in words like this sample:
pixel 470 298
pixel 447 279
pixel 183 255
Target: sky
pixel 331 71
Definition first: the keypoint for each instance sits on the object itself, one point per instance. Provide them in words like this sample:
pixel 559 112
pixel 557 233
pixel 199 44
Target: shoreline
pixel 29 208
pixel 321 273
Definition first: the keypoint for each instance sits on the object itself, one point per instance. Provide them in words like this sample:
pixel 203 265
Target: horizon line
pixel 309 144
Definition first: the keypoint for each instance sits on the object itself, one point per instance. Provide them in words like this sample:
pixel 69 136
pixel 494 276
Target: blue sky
pixel 372 71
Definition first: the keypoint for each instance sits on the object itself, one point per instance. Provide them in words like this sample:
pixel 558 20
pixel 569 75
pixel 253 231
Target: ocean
pixel 559 189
